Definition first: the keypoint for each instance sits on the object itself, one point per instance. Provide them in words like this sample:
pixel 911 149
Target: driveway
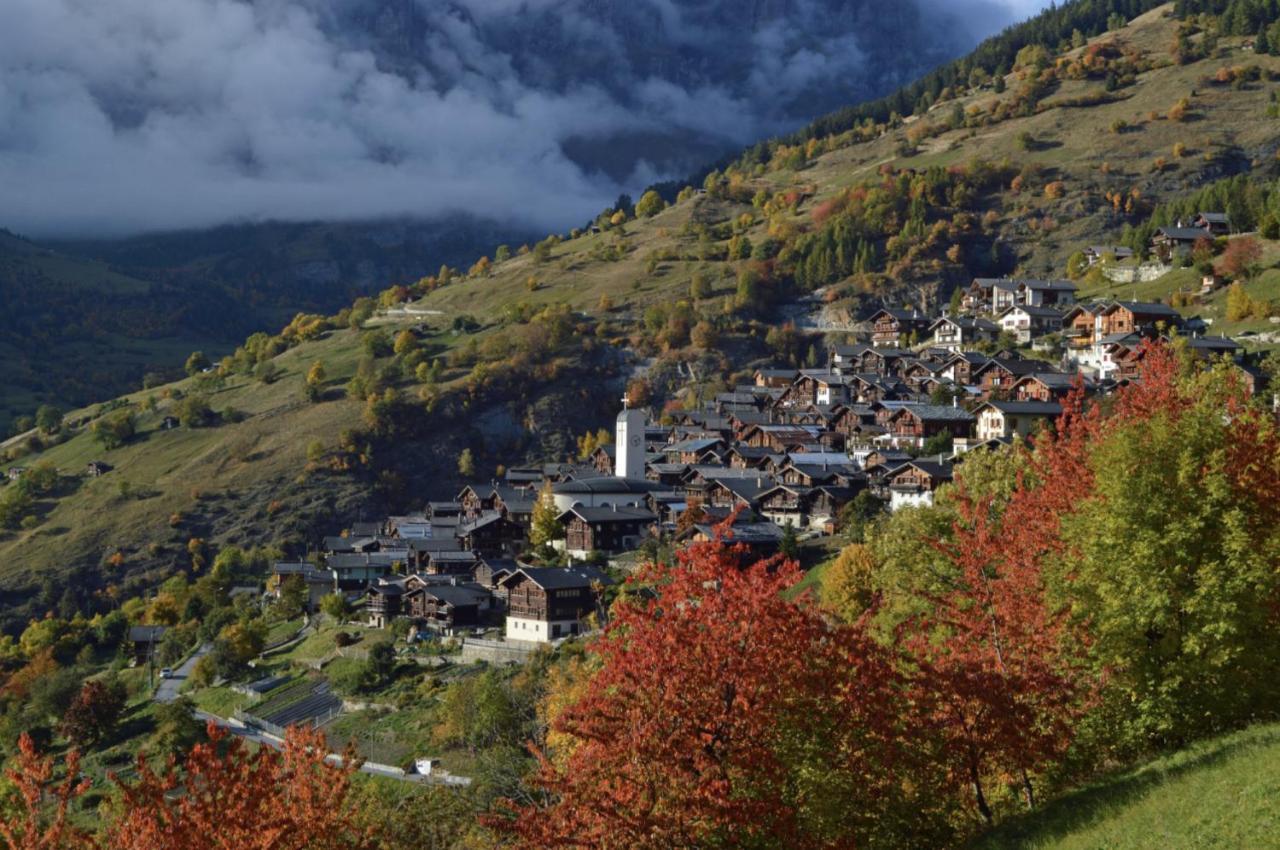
pixel 167 690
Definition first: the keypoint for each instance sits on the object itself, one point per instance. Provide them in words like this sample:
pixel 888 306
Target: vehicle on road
pixel 166 673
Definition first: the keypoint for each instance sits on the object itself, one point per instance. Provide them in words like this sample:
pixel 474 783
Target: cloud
pixel 142 115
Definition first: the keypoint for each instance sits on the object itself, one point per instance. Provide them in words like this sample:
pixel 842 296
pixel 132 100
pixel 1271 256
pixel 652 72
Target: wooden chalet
pixel 544 604
pixel 953 333
pixel 999 374
pixel 1173 242
pixel 611 530
pixel 913 425
pixel 892 327
pixel 914 483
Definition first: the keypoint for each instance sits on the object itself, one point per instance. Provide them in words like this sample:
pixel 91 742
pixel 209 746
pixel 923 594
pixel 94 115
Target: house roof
pixel 1214 217
pixel 605 485
pixel 560 578
pixel 621 513
pixel 1049 285
pixel 1025 408
pixel 1032 311
pixel 1145 308
pixel 939 413
pixel 1185 234
pixel 146 634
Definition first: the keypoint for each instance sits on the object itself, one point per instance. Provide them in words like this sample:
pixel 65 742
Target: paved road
pixel 168 689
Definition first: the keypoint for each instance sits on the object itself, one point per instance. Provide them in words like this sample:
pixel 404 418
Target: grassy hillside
pixel 1219 793
pixel 509 395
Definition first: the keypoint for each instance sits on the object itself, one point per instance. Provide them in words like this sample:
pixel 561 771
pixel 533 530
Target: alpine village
pixel 908 481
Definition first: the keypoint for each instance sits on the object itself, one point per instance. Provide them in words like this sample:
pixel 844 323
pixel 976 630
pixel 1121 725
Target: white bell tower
pixel 628 443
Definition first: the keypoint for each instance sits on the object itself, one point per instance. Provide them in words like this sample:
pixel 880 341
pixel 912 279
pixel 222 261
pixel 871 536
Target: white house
pixel 998 419
pixel 1025 322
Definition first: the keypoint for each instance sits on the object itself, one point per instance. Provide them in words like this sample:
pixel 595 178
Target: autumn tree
pixel 724 715
pixel 39 817
pixel 316 376
pixel 546 526
pixel 1241 257
pixel 466 464
pixel 650 204
pixel 236 799
pixel 93 713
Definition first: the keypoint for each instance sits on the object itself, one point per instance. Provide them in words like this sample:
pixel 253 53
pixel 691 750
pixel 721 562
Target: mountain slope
pixel 1218 793
pixel 516 385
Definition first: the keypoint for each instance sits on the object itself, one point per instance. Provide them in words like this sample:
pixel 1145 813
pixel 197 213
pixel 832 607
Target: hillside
pixel 137 306
pixel 1217 793
pixel 515 386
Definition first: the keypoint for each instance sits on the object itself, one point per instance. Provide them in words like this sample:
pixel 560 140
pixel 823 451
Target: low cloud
pixel 141 115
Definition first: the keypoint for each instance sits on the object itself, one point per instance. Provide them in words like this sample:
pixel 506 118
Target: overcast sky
pixel 125 116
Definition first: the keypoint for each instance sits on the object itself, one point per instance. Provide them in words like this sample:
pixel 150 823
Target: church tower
pixel 628 443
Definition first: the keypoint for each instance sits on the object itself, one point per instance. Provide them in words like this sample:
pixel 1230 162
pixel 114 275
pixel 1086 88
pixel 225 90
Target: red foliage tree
pixel 35 824
pixel 1241 256
pixel 93 712
pixel 726 715
pixel 228 798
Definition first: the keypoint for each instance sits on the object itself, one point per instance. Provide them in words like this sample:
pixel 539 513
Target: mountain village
pixel 879 427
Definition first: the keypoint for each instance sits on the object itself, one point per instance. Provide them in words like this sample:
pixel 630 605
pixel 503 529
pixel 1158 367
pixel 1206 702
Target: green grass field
pixel 1222 794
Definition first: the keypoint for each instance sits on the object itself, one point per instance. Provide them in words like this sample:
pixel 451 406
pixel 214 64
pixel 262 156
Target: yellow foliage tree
pixel 846 585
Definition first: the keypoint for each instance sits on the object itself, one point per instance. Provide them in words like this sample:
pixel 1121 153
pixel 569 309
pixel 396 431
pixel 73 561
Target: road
pixel 167 691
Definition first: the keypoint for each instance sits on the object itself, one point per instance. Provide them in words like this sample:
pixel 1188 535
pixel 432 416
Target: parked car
pixel 166 673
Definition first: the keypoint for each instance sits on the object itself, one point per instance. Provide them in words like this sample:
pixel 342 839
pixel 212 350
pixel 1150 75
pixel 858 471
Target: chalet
pixel 489 571
pixel 97 468
pixel 892 327
pixel 1000 374
pixel 1014 418
pixel 1137 317
pixel 413 527
pixel 440 510
pixel 383 602
pixel 1046 293
pixel 1172 242
pixel 144 641
pixel 778 438
pixel 694 450
pixel 1218 224
pixel 1048 386
pixel 914 483
pixel 990 294
pixel 452 562
pixel 845 357
pixel 775 378
pixel 492 534
pixel 355 571
pixel 604 458
pixel 1208 347
pixel 609 530
pixel 762 539
pixel 545 604
pixel 786 504
pixel 319 582
pixel 1079 324
pixel 1095 254
pixel 880 361
pixel 666 474
pixel 447 608
pixel 953 333
pixel 912 426
pixel 733 492
pixel 960 368
pixel 1025 323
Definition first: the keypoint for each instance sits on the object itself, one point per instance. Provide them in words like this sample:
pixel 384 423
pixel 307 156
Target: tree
pixel 847 587
pixel 293 597
pixel 48 418
pixel 1239 304
pixel 94 712
pixel 194 412
pixel 177 728
pixel 546 525
pixel 466 464
pixel 789 547
pixel 263 800
pixel 405 342
pixel 650 204
pixel 380 665
pixel 29 825
pixel 721 714
pixel 335 605
pixel 1241 258
pixel 115 429
pixel 197 363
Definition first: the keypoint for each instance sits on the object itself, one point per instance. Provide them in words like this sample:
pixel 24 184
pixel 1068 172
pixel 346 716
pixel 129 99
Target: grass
pixel 221 701
pixel 1223 793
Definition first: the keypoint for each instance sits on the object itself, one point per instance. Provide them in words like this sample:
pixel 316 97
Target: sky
pixel 133 116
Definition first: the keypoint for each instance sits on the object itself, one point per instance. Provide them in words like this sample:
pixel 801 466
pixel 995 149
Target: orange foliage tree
pixel 234 799
pixel 222 797
pixel 724 714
